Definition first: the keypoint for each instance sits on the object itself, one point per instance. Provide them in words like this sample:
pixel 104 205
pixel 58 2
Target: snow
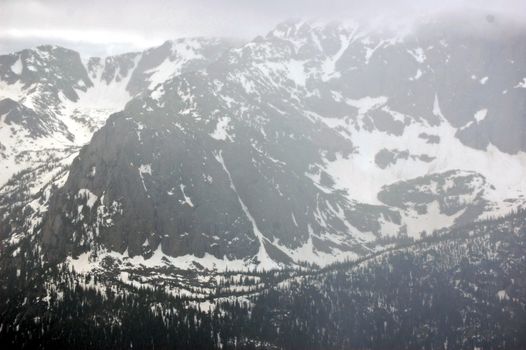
pixel 164 71
pixel 265 261
pixel 17 140
pixel 367 103
pixel 293 70
pixel 296 72
pixel 17 67
pixel 158 92
pixel 16 252
pixel 89 261
pixel 82 263
pixel 433 220
pixel 418 54
pixel 91 198
pixel 417 75
pixel 481 115
pixel 329 65
pixel 13 91
pixel 248 85
pixel 145 169
pixel 436 109
pixel 521 84
pixel 97 103
pixel 182 52
pixel 220 133
pixel 111 97
pixel 308 253
pixel 502 295
pixel 294 219
pixel 258 148
pixel 478 116
pixel 350 230
pixel 187 200
pixel 187 49
pixel 389 228
pixel 369 52
pixel 359 175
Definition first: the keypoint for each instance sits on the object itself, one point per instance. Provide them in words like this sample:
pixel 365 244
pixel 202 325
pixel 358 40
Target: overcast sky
pixel 101 27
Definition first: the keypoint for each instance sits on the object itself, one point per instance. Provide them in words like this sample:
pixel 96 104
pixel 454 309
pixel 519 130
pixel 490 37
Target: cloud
pixel 133 24
pixel 106 37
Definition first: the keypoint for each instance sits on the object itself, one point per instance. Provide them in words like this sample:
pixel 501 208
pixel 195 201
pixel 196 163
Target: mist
pixel 100 28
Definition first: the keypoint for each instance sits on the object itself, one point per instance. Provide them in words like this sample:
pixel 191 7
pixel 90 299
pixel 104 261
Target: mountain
pixel 311 144
pixel 327 185
pixel 52 101
pixel 75 97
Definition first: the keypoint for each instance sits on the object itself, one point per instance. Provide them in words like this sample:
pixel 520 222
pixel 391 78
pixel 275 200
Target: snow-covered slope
pixel 74 97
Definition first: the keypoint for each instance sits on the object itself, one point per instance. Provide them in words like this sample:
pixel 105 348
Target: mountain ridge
pixel 271 78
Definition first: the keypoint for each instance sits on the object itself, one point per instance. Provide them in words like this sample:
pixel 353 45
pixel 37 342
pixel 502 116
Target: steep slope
pixel 292 147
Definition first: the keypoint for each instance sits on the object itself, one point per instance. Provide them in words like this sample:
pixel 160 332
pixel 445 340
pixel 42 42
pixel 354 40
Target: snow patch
pixel 187 200
pixel 521 84
pixel 365 104
pixel 329 65
pixel 91 198
pixel 220 133
pixel 502 295
pixel 481 115
pixel 434 219
pixel 417 75
pixel 296 72
pixel 418 54
pixel 17 67
pixel 145 169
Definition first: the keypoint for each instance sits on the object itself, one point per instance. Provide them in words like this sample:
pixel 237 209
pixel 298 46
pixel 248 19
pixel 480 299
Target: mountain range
pixel 319 143
pixel 309 144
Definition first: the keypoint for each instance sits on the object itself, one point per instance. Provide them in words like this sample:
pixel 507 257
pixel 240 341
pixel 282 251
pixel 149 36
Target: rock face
pixel 306 144
pixel 49 68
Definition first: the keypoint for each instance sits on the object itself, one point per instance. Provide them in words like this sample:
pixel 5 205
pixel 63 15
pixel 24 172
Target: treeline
pixel 463 291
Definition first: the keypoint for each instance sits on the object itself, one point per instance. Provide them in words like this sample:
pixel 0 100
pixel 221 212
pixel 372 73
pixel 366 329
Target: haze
pixel 102 27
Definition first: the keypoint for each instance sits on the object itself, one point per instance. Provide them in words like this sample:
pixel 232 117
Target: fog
pixel 103 27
